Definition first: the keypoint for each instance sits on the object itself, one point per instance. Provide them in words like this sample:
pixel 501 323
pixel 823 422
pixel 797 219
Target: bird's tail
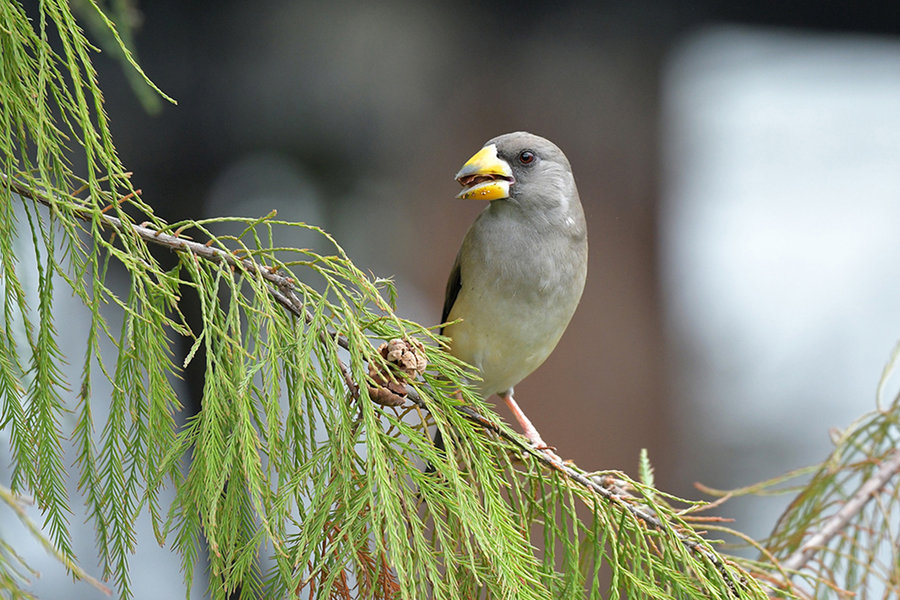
pixel 438 441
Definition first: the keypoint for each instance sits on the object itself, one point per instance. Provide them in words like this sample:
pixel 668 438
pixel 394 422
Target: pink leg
pixel 528 427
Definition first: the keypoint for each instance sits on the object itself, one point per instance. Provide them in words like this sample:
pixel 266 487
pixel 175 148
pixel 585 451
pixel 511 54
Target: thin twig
pixel 836 522
pixel 285 285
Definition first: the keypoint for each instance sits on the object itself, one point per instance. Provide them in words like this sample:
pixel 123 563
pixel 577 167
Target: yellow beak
pixel 485 176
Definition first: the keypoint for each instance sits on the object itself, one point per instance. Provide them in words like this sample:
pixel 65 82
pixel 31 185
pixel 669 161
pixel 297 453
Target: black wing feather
pixel 454 284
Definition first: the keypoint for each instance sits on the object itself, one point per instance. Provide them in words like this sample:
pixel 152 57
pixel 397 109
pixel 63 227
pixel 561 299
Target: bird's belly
pixel 505 338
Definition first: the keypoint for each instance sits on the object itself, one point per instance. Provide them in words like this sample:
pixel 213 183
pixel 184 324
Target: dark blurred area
pixel 354 116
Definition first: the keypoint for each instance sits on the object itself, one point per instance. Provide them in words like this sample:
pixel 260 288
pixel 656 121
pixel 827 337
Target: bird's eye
pixel 526 157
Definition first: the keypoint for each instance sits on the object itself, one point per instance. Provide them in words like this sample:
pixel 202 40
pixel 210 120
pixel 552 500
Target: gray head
pixel 523 168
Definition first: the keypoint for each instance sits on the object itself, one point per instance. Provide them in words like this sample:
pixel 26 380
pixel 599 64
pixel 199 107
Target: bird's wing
pixel 454 284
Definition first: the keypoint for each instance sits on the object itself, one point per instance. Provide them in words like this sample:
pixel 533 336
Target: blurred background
pixel 739 166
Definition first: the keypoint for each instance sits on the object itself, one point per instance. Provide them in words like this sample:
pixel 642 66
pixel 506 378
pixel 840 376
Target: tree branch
pixel 283 289
pixel 607 487
pixel 836 522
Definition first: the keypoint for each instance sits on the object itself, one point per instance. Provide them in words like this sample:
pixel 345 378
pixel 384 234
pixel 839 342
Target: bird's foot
pixel 529 429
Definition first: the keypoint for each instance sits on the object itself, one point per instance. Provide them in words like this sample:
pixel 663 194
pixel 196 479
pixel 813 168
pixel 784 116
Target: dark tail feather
pixel 438 441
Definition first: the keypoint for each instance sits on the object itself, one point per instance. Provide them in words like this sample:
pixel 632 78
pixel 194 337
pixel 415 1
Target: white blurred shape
pixel 780 251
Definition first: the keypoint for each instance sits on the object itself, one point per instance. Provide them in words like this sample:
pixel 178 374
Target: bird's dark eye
pixel 526 157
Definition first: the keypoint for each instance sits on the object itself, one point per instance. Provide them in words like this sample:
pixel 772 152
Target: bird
pixel 520 271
